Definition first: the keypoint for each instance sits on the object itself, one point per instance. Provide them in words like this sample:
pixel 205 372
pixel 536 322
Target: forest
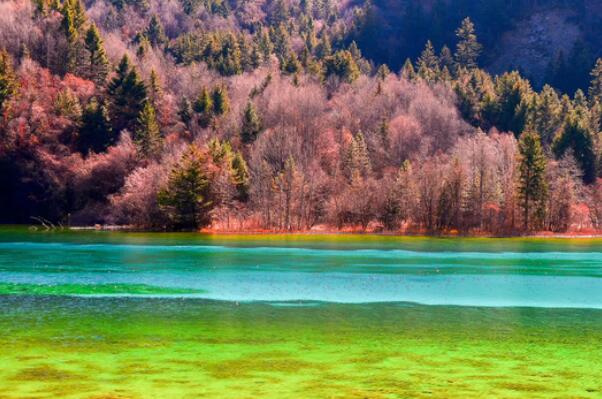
pixel 279 115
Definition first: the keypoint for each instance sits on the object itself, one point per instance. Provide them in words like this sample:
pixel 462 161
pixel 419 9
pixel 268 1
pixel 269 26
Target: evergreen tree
pixel 251 124
pixel 67 105
pixel 148 135
pixel 576 136
pixel 79 14
pixel 291 64
pixel 240 176
pixel 8 80
pixel 428 63
pixel 264 43
pixel 468 48
pixel 446 59
pixel 343 65
pixel 221 101
pixel 155 32
pixel 187 199
pixel 407 71
pixel 355 51
pixel 127 93
pixel 508 110
pixel 595 87
pixel 230 59
pixel 546 114
pixel 155 90
pixel 382 72
pixel 324 48
pixel 68 25
pixel 98 67
pixel 204 107
pixel 532 187
pixel 95 133
pixel 358 160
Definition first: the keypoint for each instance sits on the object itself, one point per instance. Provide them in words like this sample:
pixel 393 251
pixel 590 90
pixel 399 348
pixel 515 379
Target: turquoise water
pixel 99 315
pixel 339 269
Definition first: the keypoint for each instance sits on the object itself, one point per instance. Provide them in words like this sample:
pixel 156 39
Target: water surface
pixel 137 315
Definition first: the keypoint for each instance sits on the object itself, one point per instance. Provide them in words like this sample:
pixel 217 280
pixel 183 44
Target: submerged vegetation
pixel 266 115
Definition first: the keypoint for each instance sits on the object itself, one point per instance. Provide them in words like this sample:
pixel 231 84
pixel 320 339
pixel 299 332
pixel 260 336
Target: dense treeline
pixel 265 115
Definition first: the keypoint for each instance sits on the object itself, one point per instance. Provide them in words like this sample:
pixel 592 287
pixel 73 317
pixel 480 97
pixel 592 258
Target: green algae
pixel 91 289
pixel 158 348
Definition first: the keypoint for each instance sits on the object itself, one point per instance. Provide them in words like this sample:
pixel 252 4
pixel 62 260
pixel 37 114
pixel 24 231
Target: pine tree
pixel 187 199
pixel 508 110
pixel 67 105
pixel 428 63
pixel 343 65
pixel 577 137
pixel 251 124
pixel 595 87
pixel 69 28
pixel 324 48
pixel 204 107
pixel 155 89
pixel 148 135
pixel 230 60
pixel 8 80
pixel 546 114
pixel 264 43
pixel 446 59
pixel 468 48
pixel 358 160
pixel 95 133
pixel 155 32
pixel 355 51
pixel 382 72
pixel 98 67
pixel 240 176
pixel 79 14
pixel 532 187
pixel 291 64
pixel 407 71
pixel 127 94
pixel 221 101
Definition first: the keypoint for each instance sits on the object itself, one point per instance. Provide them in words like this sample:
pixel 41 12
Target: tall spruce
pixel 428 63
pixel 468 48
pixel 98 67
pixel 155 33
pixel 186 199
pixel 148 135
pixel 251 124
pixel 595 87
pixel 95 133
pixel 221 101
pixel 127 94
pixel 532 187
pixel 203 106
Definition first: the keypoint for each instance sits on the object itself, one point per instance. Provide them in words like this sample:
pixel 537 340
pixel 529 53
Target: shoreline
pixel 331 232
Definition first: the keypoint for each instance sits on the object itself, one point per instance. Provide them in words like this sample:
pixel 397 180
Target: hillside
pixel 280 115
pixel 528 35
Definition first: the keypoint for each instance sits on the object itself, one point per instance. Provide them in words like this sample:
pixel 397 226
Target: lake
pixel 92 314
